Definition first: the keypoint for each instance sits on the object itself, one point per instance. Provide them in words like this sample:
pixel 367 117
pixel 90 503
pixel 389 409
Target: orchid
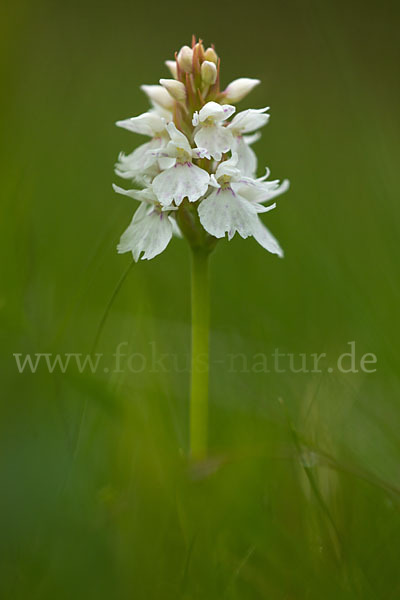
pixel 181 178
pixel 210 132
pixel 235 203
pixel 199 178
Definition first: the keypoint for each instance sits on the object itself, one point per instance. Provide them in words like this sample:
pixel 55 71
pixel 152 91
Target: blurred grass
pixel 300 500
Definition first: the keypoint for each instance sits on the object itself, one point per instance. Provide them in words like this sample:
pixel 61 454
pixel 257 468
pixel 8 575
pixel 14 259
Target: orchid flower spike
pixel 198 171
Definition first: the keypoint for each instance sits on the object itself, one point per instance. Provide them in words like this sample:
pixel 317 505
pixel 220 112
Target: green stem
pixel 200 363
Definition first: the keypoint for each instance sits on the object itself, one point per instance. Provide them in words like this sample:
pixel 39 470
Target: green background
pixel 300 498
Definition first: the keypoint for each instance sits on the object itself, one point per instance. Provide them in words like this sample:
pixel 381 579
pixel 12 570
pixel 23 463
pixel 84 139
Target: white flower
pixel 244 122
pixel 235 204
pixel 210 132
pixel 142 164
pixel 181 178
pixel 151 228
pixel 238 89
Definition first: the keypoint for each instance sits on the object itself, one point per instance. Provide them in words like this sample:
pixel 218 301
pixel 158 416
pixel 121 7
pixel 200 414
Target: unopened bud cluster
pixel 198 171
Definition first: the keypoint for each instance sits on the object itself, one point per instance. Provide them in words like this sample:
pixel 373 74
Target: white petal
pixel 163 112
pixel 183 180
pixel 216 111
pixel 265 238
pixel 229 168
pixel 209 72
pixel 269 194
pixel 171 64
pixel 211 55
pixel 213 182
pixel 259 208
pixel 216 139
pixel 158 96
pixel 122 191
pixel 185 59
pixel 175 228
pixel 140 213
pixel 147 195
pixel 225 212
pixel 247 162
pixel 149 234
pixel 251 139
pixel 239 88
pixel 262 191
pixel 180 140
pixel 264 177
pixel 149 123
pixel 249 120
pixel 166 162
pixel 200 153
pixel 175 88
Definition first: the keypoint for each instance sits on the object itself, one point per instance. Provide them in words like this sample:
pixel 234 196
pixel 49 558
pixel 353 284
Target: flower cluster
pixel 198 171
